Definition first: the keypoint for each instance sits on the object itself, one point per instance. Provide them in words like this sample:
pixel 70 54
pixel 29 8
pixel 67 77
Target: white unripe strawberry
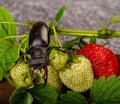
pixel 58 59
pixel 53 78
pixel 78 74
pixel 20 75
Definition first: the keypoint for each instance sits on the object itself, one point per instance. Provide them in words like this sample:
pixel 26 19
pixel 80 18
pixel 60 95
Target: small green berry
pixel 58 59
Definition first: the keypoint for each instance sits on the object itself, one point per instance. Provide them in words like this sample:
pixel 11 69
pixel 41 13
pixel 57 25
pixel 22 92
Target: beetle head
pixel 39 35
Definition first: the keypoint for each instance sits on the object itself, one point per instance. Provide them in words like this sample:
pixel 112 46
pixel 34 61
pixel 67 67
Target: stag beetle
pixel 39 39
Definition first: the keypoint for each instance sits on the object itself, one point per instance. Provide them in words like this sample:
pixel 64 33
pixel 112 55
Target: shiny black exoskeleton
pixel 39 39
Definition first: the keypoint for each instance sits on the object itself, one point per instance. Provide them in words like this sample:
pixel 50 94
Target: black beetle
pixel 39 39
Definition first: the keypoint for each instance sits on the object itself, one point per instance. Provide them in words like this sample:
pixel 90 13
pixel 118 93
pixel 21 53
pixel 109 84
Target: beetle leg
pixel 45 77
pixel 32 74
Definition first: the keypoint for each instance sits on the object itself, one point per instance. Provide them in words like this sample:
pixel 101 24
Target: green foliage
pixel 72 98
pixel 20 96
pixel 6 28
pixel 39 94
pixel 60 13
pixel 8 49
pixel 114 19
pixel 43 94
pixel 1 72
pixel 106 91
pixel 7 57
pixel 103 91
pixel 69 44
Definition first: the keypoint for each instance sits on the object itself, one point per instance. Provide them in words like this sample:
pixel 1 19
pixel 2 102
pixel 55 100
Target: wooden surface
pixel 5 92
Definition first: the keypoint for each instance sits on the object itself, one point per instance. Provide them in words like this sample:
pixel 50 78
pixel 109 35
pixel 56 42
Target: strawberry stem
pixel 20 47
pixel 89 33
pixel 10 37
pixel 71 32
pixel 15 23
pixel 56 36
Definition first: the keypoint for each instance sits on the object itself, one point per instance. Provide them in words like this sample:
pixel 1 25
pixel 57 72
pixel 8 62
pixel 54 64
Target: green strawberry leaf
pixel 20 96
pixel 72 98
pixel 4 48
pixel 4 45
pixel 60 13
pixel 7 28
pixel 8 50
pixel 106 91
pixel 69 44
pixel 1 73
pixel 43 94
pixel 7 57
pixel 10 56
pixel 115 19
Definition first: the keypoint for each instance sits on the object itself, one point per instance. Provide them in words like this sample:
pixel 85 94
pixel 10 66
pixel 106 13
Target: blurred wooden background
pixel 5 92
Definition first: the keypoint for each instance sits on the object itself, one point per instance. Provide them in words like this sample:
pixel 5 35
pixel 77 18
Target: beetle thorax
pixel 36 42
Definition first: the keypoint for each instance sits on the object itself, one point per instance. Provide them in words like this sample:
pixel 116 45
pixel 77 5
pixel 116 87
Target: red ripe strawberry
pixel 103 60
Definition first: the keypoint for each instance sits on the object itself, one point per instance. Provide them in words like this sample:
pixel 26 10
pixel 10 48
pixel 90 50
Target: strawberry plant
pixel 70 76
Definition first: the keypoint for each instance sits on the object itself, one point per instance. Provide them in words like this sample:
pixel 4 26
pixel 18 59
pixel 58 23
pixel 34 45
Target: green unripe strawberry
pixel 78 74
pixel 20 75
pixel 58 59
pixel 53 78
